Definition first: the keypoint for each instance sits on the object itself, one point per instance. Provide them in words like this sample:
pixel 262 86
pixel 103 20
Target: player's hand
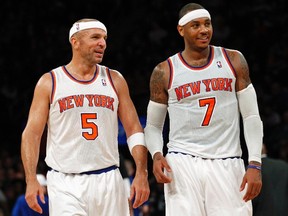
pixel 140 190
pixel 254 180
pixel 159 164
pixel 33 190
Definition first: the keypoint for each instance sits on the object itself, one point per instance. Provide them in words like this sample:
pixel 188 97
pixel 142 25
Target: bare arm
pixel 31 139
pixel 159 83
pixel 129 118
pixel 241 67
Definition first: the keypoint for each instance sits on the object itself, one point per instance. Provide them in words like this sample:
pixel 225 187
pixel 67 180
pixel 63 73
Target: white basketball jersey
pixel 203 108
pixel 83 122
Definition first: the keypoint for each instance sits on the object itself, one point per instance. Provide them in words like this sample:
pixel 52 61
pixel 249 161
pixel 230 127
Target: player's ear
pixel 180 30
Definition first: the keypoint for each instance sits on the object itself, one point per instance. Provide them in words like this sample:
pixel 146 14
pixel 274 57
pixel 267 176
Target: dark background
pixel 141 33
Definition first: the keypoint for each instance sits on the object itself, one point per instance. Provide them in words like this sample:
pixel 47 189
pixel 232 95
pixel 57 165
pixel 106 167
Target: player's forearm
pixel 29 156
pixel 139 154
pixel 156 114
pixel 253 126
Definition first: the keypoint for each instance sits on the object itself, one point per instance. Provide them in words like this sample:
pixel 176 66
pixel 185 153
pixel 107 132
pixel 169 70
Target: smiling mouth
pixel 204 39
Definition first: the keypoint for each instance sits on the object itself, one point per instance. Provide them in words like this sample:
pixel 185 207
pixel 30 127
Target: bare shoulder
pixel 45 79
pixel 160 72
pixel 116 74
pixel 42 96
pixel 45 83
pixel 118 80
pixel 235 55
pixel 159 83
pixel 241 67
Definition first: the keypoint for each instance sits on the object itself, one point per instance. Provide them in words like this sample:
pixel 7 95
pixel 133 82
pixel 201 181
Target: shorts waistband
pixel 96 172
pixel 237 157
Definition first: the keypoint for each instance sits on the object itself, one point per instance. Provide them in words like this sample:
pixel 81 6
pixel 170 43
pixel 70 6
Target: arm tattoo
pixel 244 69
pixel 157 91
pixel 241 68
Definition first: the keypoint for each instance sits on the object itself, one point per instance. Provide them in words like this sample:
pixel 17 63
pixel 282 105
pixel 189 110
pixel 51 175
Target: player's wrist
pixel 255 163
pixel 142 173
pixel 253 166
pixel 157 156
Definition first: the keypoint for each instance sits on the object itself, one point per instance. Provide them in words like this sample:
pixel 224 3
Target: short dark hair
pixel 189 7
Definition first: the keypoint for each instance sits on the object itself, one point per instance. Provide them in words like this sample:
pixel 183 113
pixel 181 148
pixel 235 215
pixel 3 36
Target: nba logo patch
pixel 219 64
pixel 77 26
pixel 104 82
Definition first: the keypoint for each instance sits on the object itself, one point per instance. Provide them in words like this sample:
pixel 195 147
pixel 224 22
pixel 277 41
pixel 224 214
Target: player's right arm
pixel 159 81
pixel 156 113
pixel 31 139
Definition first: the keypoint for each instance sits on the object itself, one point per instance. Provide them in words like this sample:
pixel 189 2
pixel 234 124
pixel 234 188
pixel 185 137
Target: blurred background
pixel 34 40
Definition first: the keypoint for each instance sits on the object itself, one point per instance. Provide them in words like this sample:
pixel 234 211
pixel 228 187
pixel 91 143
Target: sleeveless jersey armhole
pixel 52 73
pixel 108 72
pixel 171 72
pixel 228 61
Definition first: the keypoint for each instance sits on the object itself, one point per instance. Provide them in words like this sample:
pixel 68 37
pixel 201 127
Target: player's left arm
pixel 135 137
pixel 252 124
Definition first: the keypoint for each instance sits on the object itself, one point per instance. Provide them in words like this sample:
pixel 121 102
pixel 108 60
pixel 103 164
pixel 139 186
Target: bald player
pixel 80 103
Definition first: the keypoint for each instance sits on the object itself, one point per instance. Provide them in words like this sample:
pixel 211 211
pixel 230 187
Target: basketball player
pixel 204 88
pixel 80 102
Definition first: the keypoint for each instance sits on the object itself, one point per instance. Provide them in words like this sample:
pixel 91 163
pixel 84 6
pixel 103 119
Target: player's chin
pixel 99 55
pixel 204 44
pixel 99 58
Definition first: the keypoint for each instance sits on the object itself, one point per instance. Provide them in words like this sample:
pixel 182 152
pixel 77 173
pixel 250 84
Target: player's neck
pixel 196 57
pixel 81 71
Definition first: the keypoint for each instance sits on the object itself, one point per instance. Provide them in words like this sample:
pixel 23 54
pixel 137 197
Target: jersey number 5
pixel 210 103
pixel 87 124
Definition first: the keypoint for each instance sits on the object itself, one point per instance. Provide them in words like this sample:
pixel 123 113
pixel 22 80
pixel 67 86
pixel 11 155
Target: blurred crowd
pixel 34 40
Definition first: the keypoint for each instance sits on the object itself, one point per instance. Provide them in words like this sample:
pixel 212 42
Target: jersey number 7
pixel 210 103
